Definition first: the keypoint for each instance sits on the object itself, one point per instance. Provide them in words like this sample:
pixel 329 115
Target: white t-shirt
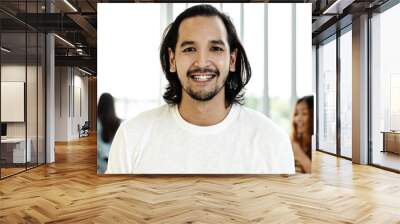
pixel 160 141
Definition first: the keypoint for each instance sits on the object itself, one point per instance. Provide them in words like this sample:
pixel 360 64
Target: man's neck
pixel 203 113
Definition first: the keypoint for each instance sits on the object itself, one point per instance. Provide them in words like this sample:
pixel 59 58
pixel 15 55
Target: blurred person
pixel 302 130
pixel 203 128
pixel 107 125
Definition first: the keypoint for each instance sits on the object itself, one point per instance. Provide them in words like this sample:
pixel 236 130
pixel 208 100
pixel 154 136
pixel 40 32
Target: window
pixel 303 50
pixel 327 96
pixel 279 63
pixel 138 63
pixel 253 41
pixel 385 85
pixel 178 8
pixel 233 11
pixel 346 94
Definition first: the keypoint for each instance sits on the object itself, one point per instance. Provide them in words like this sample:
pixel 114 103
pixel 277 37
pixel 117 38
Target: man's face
pixel 202 57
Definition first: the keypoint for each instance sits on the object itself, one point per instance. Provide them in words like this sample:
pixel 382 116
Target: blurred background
pixel 276 37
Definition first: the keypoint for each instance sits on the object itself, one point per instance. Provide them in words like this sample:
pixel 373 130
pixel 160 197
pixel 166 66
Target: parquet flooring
pixel 9 171
pixel 387 159
pixel 69 191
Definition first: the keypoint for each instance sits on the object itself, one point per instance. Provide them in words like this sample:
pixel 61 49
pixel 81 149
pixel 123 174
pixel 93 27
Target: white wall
pixel 61 103
pixel 70 83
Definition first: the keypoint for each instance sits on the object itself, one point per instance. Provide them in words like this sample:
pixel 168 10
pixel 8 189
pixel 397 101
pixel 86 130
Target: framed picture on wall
pixel 12 101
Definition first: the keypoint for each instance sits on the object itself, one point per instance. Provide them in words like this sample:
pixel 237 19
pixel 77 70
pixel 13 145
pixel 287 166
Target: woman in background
pixel 107 126
pixel 302 130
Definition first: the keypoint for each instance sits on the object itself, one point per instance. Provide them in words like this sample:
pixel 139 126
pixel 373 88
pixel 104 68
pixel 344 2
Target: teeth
pixel 202 77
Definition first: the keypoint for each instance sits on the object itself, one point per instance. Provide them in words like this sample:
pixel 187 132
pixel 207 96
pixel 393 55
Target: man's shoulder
pixel 146 117
pixel 260 121
pixel 253 116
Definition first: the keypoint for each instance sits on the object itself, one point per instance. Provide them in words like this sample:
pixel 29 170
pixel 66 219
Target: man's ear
pixel 232 61
pixel 172 65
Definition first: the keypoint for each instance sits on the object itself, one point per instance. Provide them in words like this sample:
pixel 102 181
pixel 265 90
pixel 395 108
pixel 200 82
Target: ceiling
pixel 77 26
pixel 329 16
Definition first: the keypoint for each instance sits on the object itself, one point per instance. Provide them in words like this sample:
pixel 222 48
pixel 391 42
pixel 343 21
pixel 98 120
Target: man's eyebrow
pixel 185 43
pixel 217 42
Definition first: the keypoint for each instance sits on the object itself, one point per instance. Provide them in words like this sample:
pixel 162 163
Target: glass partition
pixel 22 90
pixel 14 153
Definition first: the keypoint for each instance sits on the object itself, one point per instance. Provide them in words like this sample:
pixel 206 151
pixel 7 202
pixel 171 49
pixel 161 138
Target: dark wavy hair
pixel 235 81
pixel 107 117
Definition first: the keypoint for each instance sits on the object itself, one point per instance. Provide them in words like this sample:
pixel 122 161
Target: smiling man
pixel 203 128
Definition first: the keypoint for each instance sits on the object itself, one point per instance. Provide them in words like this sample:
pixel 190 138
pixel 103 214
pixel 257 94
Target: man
pixel 203 129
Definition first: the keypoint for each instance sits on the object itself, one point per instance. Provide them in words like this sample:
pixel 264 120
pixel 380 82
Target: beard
pixel 203 95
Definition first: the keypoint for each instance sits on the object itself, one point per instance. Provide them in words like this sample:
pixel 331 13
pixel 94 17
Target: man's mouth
pixel 202 77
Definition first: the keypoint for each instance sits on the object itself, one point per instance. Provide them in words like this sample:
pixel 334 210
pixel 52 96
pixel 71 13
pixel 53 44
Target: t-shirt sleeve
pixel 119 159
pixel 286 158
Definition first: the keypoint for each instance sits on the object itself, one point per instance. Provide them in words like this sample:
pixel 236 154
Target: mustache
pixel 203 70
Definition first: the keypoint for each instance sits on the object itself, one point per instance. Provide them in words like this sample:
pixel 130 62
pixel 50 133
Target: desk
pixel 15 148
pixel 391 141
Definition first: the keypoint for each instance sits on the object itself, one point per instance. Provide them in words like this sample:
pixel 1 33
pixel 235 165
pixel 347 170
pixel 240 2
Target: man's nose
pixel 202 59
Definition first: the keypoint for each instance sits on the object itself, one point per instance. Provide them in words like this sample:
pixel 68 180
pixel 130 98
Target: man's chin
pixel 203 97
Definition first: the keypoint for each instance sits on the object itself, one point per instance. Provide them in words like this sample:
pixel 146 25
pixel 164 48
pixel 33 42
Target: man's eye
pixel 189 49
pixel 217 49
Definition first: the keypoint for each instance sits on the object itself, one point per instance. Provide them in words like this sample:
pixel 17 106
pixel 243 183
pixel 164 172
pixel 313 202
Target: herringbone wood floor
pixel 69 191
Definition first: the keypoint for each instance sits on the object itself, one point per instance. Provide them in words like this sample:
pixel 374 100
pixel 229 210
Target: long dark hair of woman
pixel 304 140
pixel 107 117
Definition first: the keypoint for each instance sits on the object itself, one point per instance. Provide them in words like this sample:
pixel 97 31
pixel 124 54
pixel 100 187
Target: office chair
pixel 84 130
